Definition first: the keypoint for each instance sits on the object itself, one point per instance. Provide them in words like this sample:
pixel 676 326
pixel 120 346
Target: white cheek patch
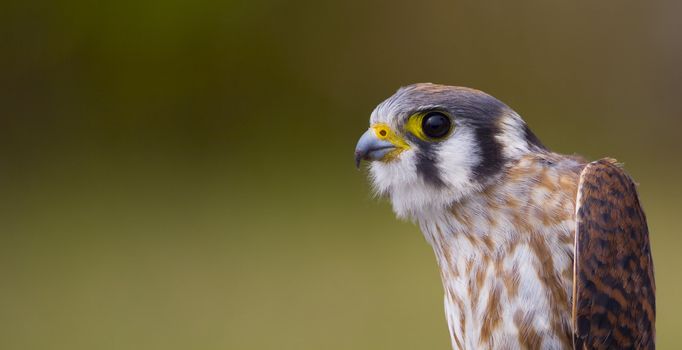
pixel 512 135
pixel 457 157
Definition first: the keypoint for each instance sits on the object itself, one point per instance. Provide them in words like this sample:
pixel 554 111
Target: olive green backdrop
pixel 179 174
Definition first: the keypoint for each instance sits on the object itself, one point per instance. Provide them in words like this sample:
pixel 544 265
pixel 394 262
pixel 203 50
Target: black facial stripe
pixel 492 159
pixel 427 160
pixel 532 139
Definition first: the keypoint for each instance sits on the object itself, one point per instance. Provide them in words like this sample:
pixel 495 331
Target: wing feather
pixel 614 304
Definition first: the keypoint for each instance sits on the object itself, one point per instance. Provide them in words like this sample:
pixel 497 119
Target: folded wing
pixel 614 304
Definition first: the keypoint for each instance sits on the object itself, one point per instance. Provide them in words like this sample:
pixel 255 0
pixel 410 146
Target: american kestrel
pixel 536 250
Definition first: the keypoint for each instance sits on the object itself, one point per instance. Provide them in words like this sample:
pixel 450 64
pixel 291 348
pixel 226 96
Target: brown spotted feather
pixel 614 298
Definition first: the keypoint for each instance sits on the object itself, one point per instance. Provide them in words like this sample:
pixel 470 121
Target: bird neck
pixel 505 255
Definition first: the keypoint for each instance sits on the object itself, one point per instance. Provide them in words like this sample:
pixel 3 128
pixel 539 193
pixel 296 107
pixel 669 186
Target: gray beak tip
pixel 371 148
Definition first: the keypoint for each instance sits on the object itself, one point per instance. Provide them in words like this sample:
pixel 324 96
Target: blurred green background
pixel 179 174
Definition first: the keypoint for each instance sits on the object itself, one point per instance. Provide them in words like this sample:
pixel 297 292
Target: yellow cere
pixel 384 132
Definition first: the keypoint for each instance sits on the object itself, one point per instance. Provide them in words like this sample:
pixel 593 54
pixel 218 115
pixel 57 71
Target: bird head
pixel 432 145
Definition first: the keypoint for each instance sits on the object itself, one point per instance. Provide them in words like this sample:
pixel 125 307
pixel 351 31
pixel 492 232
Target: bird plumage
pixel 499 210
pixel 505 257
pixel 614 289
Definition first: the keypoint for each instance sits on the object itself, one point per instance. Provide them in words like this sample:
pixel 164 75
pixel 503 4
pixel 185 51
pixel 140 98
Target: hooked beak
pixel 371 147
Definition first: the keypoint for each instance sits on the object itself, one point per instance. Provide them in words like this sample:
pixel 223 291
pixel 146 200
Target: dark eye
pixel 435 125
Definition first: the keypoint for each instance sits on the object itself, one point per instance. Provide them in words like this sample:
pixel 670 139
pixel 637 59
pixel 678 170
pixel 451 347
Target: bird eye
pixel 435 125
